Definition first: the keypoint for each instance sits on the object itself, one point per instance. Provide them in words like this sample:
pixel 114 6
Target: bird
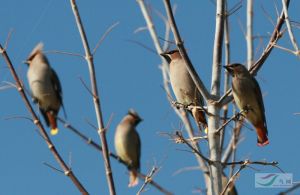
pixel 184 87
pixel 128 144
pixel 45 86
pixel 248 97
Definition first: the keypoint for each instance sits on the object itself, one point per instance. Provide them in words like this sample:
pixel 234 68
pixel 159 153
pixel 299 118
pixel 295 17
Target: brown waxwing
pixel 45 86
pixel 247 96
pixel 183 85
pixel 128 144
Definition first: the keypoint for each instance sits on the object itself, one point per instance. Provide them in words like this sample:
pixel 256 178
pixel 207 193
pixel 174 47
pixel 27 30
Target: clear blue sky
pixel 129 77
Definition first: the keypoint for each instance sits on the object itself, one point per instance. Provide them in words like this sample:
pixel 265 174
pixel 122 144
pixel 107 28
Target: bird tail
pixel 52 121
pixel 199 117
pixel 262 135
pixel 133 178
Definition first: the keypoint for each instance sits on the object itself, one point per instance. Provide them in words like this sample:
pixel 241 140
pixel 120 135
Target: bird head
pixel 38 49
pixel 170 55
pixel 236 69
pixel 137 119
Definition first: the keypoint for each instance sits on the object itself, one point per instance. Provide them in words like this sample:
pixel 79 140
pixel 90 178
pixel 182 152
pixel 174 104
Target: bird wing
pixel 56 85
pixel 138 150
pixel 57 88
pixel 259 99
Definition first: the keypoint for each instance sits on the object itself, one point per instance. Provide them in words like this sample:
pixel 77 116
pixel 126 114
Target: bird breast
pixel 126 143
pixel 39 77
pixel 244 95
pixel 182 84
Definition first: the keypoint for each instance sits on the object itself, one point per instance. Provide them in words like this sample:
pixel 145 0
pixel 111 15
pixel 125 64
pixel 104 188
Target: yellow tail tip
pixel 54 131
pixel 206 130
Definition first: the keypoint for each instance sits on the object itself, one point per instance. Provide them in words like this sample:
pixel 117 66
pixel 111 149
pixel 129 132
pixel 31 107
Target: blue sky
pixel 129 77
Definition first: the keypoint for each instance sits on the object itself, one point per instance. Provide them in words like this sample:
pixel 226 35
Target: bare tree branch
pixel 289 27
pixel 249 36
pixel 96 98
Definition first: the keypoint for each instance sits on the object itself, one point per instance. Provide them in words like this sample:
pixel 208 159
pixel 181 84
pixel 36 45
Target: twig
pixel 148 179
pixel 244 164
pixel 104 36
pixel 236 116
pixel 52 167
pixel 180 137
pixel 290 189
pixel 96 98
pixel 68 172
pixel 288 24
pixel 232 145
pixel 226 74
pixel 65 53
pixel 249 36
pixel 232 179
pixel 90 142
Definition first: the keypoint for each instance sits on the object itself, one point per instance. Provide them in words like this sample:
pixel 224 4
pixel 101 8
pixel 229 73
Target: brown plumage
pixel 183 85
pixel 128 145
pixel 247 96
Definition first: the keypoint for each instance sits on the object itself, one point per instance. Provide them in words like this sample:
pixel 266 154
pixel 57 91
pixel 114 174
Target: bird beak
pixel 25 62
pixel 229 68
pixel 166 57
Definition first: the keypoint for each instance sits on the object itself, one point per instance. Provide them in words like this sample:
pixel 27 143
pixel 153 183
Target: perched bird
pixel 183 86
pixel 128 144
pixel 247 96
pixel 45 86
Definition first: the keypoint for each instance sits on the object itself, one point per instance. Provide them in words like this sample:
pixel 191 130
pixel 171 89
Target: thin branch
pixel 68 172
pixel 226 74
pixel 245 164
pixel 64 53
pixel 104 36
pixel 289 27
pixel 249 36
pixel 234 117
pixel 290 189
pixel 96 98
pixel 90 142
pixel 53 168
pixel 148 179
pixel 181 138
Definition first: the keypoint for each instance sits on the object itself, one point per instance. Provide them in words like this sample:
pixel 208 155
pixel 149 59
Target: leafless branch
pixel 290 189
pixel 245 164
pixel 289 27
pixel 249 36
pixel 96 98
pixel 104 36
pixel 148 179
pixel 64 53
